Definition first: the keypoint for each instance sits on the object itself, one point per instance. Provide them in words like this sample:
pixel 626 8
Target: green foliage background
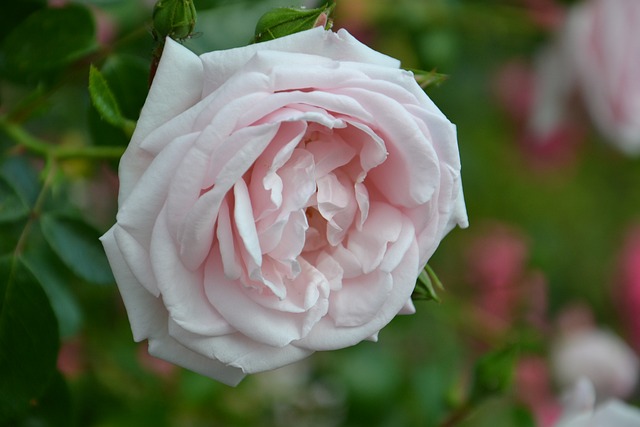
pixel 58 161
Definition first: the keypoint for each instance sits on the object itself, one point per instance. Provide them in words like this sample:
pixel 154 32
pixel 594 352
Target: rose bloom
pixel 602 44
pixel 279 199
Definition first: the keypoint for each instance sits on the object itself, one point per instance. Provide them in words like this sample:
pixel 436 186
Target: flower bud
pixel 285 21
pixel 174 18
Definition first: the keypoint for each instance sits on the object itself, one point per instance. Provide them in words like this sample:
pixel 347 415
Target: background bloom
pixel 580 410
pixel 279 199
pixel 584 351
pixel 597 54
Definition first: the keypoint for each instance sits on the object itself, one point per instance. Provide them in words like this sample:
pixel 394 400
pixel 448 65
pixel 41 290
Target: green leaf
pixel 14 12
pixel 47 41
pixel 18 173
pixel 54 279
pixel 77 245
pixel 493 373
pixel 285 21
pixel 127 77
pixel 28 339
pixel 12 207
pixel 53 409
pixel 105 102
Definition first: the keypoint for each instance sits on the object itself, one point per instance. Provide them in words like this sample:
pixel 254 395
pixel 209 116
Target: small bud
pixel 285 21
pixel 174 18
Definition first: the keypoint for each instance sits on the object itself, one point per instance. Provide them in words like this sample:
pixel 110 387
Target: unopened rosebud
pixel 174 18
pixel 285 21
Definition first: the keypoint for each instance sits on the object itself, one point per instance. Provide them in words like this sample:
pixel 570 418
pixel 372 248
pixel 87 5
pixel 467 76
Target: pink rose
pixel 279 199
pixel 602 44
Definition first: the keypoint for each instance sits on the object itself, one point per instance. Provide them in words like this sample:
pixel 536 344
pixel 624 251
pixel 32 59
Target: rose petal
pixel 241 352
pixel 268 326
pixel 369 246
pixel 146 313
pixel 182 289
pixel 326 336
pixel 220 65
pixel 167 348
pixel 230 258
pixel 177 86
pixel 360 298
pixel 196 233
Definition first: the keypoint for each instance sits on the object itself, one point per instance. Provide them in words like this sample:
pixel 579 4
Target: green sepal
pixel 285 21
pixel 426 285
pixel 428 78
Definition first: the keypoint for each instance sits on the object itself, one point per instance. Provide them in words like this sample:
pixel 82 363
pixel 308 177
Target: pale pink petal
pixel 230 259
pixel 264 325
pixel 146 313
pixel 196 233
pixel 219 66
pixel 360 298
pixel 167 348
pixel 245 223
pixel 136 257
pixel 329 152
pixel 177 86
pixel 326 336
pixel 239 351
pixel 383 225
pixel 182 289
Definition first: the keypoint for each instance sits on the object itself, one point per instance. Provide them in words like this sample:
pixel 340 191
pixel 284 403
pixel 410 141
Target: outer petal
pixel 177 86
pixel 146 313
pixel 220 65
pixel 238 351
pixel 167 348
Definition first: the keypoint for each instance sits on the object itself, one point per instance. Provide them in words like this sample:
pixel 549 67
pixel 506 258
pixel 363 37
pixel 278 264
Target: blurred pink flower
pixel 544 13
pixel 546 136
pixel 582 350
pixel 154 365
pixel 496 261
pixel 71 358
pixel 628 289
pixel 597 55
pixel 106 26
pixel 533 388
pixel 602 42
